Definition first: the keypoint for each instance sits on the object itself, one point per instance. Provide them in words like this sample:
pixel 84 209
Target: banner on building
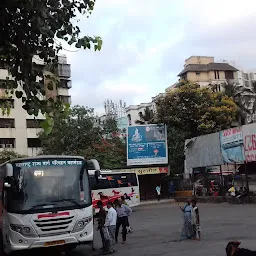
pixel 231 144
pixel 249 133
pixel 147 144
pixel 144 171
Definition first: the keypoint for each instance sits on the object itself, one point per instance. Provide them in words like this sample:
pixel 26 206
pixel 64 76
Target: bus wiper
pixel 41 205
pixel 68 200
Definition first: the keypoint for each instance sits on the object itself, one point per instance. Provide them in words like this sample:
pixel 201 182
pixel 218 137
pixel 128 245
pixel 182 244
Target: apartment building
pixel 19 131
pixel 204 71
pixel 134 112
pixel 246 78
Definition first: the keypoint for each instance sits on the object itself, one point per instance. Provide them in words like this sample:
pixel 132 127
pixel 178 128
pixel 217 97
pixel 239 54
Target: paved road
pixel 157 227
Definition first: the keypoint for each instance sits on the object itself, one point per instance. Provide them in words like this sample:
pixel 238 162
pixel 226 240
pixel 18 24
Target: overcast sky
pixel 145 43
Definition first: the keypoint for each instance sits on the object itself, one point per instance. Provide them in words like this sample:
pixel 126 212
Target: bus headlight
pixel 24 230
pixel 80 224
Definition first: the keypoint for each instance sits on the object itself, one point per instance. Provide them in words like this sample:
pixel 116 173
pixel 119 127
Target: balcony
pixel 64 70
pixel 64 99
pixel 63 92
pixel 65 84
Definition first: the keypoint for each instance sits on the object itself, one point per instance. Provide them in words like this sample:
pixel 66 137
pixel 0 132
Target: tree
pixel 6 155
pixel 78 134
pixel 75 135
pixel 110 125
pixel 189 111
pixel 196 110
pixel 34 28
pixel 147 117
pixel 245 99
pixel 111 153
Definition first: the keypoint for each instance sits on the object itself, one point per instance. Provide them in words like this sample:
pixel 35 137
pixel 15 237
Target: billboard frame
pixel 146 162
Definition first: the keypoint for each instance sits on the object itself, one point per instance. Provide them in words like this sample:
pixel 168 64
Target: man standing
pixel 129 229
pixel 123 211
pixel 101 223
pixel 158 192
pixel 110 224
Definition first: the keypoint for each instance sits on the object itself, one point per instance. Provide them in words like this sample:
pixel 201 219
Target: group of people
pixel 191 225
pixel 110 222
pixel 242 192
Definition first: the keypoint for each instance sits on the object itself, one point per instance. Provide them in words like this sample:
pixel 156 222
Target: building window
pixel 7 143
pixel 33 123
pixel 64 99
pixel 216 75
pixel 7 123
pixel 216 88
pixel 247 84
pixel 184 77
pixel 129 119
pixel 198 73
pixel 246 76
pixel 64 70
pixel 34 143
pixel 230 75
pixel 65 84
pixel 7 103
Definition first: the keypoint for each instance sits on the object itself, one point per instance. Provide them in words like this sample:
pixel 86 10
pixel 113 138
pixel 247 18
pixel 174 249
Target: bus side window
pixel 132 179
pixel 93 183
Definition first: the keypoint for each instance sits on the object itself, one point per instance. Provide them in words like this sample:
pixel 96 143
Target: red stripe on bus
pixel 51 215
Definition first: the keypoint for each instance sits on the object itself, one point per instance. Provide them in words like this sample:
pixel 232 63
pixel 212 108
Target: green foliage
pixel 33 28
pixel 111 153
pixel 147 117
pixel 110 125
pixel 77 134
pixel 189 111
pixel 6 155
pixel 73 134
pixel 241 96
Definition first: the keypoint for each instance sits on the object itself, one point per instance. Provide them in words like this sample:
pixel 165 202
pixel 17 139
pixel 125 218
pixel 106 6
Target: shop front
pixel 149 178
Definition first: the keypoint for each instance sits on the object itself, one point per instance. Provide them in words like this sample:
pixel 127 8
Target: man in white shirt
pixel 110 223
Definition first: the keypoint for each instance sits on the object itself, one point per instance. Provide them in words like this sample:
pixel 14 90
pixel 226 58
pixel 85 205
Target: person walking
pixel 123 211
pixel 110 224
pixel 101 222
pixel 129 229
pixel 158 192
pixel 187 231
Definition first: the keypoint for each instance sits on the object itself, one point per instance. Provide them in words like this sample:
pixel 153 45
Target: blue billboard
pixel 147 144
pixel 231 145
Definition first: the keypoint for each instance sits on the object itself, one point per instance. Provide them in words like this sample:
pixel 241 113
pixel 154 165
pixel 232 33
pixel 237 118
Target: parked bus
pixel 112 185
pixel 46 201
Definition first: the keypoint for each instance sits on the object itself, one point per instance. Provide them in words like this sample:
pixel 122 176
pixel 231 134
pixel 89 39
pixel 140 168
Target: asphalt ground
pixel 157 229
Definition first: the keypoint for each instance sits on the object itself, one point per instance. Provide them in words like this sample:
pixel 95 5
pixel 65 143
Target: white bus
pixel 112 185
pixel 46 201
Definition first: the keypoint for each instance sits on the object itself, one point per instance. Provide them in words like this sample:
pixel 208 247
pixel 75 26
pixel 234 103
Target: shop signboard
pixel 249 133
pixel 144 171
pixel 231 143
pixel 147 144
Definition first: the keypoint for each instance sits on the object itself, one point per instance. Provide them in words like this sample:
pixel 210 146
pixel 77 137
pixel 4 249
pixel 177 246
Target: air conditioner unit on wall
pixel 8 146
pixel 2 145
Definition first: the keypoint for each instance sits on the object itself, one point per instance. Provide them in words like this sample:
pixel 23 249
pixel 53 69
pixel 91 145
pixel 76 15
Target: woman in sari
pixel 187 231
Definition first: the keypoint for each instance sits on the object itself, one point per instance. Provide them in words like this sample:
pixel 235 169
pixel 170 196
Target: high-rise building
pixel 18 130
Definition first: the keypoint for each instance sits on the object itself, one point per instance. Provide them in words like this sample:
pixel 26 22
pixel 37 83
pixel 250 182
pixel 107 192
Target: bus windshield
pixel 46 184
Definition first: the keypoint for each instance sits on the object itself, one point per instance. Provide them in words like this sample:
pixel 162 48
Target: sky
pixel 145 44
